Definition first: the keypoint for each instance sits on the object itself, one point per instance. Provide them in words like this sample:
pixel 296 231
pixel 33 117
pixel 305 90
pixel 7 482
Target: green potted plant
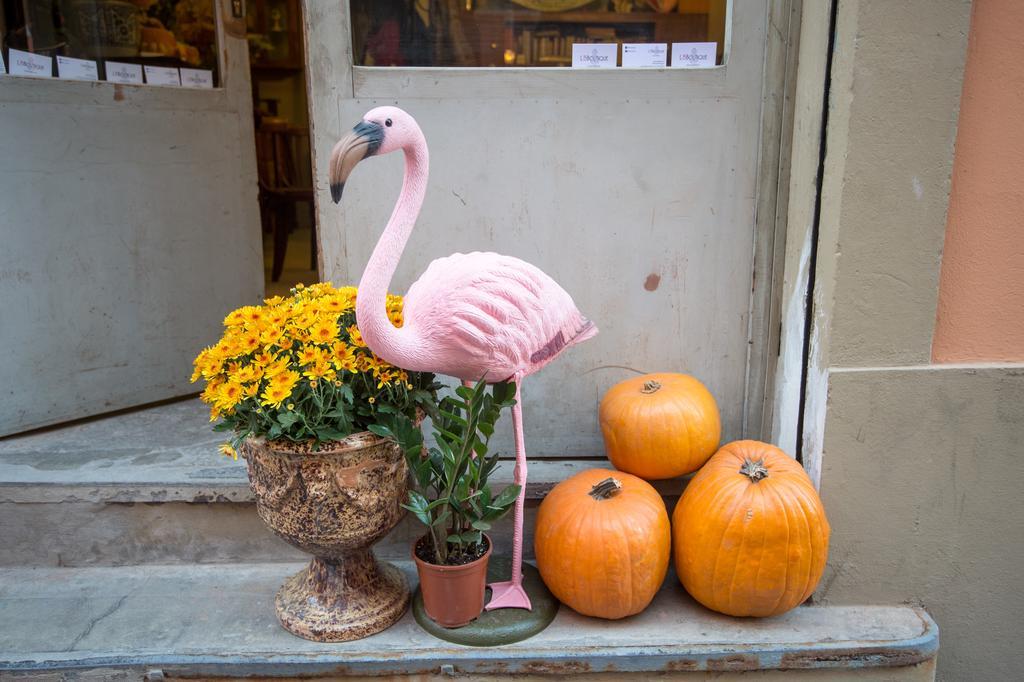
pixel 453 498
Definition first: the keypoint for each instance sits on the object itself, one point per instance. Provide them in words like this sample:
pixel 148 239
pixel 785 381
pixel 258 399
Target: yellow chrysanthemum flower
pixel 209 394
pixel 235 318
pixel 273 396
pixel 277 317
pixel 344 357
pixel 371 363
pixel 320 370
pixel 248 374
pixel 355 337
pixel 262 359
pixel 211 367
pixel 310 354
pixel 286 379
pixel 278 365
pixel 324 331
pixel 229 395
pixel 253 315
pixel 228 451
pixel 337 304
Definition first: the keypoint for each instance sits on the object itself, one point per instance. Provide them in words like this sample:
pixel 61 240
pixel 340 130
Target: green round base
pixel 501 626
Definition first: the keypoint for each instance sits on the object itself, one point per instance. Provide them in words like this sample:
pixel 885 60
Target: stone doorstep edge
pixel 205 492
pixel 519 659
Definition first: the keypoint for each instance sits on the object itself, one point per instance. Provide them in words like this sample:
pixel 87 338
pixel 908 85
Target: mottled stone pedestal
pixel 334 503
pixel 337 602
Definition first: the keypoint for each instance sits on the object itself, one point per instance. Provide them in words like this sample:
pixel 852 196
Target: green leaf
pixel 286 419
pixel 506 496
pixel 417 500
pixel 329 433
pixel 442 519
pixel 423 518
pixel 481 525
pixel 452 417
pixel 418 505
pixel 380 430
pixel 504 391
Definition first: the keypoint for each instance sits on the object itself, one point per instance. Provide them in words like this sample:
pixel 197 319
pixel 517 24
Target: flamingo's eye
pixel 388 123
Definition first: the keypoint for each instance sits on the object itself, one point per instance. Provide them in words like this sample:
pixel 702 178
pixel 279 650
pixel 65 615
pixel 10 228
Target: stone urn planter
pixel 333 503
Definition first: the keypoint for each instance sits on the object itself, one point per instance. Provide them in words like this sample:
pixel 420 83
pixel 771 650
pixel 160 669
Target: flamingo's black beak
pixel 364 140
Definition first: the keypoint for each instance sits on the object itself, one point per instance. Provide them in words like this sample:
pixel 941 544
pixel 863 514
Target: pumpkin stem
pixel 650 386
pixel 609 487
pixel 755 471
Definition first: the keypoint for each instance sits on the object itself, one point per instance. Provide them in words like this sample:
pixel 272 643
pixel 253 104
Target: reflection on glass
pixel 169 33
pixel 528 33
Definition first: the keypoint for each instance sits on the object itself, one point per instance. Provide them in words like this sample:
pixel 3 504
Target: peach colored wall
pixel 981 292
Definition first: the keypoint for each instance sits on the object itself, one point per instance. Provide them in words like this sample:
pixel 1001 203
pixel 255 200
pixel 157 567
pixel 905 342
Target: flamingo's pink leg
pixel 510 594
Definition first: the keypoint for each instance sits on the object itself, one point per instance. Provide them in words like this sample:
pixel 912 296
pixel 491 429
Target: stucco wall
pixel 922 486
pixel 896 80
pixel 981 297
pixel 919 461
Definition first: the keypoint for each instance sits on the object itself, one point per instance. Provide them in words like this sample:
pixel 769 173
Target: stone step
pixel 148 486
pixel 218 620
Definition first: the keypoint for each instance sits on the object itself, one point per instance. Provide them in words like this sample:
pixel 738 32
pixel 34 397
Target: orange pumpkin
pixel 602 543
pixel 750 532
pixel 659 425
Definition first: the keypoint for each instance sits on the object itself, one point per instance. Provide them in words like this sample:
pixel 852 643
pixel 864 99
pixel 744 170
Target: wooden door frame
pixel 331 74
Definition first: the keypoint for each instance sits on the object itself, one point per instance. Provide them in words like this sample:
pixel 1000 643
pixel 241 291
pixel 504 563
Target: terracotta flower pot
pixel 333 503
pixel 453 596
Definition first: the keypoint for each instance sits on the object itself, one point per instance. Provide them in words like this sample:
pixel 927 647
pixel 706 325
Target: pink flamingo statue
pixel 470 316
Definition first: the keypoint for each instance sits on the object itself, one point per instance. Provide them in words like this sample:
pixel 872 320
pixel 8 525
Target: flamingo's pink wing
pixel 484 314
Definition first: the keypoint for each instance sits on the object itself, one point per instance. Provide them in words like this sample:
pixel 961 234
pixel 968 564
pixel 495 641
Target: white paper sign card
pixel 3 67
pixel 28 64
pixel 124 73
pixel 694 55
pixel 595 55
pixel 77 69
pixel 162 75
pixel 644 55
pixel 196 78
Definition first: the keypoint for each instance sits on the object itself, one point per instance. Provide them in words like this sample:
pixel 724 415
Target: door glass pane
pixel 172 34
pixel 530 33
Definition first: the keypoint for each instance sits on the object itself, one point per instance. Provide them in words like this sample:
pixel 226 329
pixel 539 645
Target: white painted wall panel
pixel 128 228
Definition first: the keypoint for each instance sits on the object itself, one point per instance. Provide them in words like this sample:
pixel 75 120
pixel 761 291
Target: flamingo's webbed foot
pixel 508 595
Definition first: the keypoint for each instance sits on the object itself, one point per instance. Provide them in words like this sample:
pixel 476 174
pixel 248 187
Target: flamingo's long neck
pixel 395 345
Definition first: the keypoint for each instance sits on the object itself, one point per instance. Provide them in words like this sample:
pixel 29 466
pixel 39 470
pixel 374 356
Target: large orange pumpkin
pixel 750 532
pixel 659 425
pixel 602 543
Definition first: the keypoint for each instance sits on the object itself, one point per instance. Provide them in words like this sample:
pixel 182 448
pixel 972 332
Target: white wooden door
pixel 637 190
pixel 129 225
